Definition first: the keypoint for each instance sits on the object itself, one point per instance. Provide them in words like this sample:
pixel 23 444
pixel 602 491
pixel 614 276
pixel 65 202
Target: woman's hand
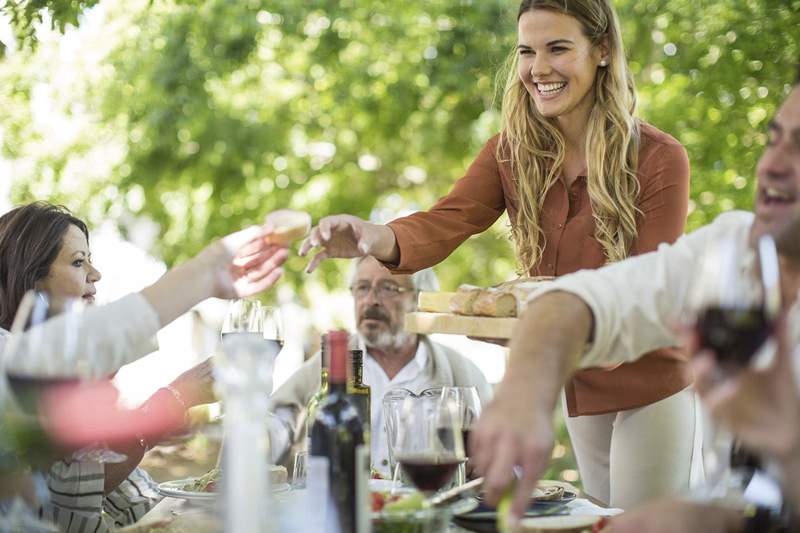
pixel 346 236
pixel 196 385
pixel 244 263
pixel 490 340
pixel 239 265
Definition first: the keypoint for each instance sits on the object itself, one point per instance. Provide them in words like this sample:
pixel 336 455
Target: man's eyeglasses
pixel 382 290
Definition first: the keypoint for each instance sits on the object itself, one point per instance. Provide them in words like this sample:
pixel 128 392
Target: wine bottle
pixel 337 436
pixel 359 393
pixel 322 392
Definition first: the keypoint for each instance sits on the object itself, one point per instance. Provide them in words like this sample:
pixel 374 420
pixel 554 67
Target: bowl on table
pixel 432 520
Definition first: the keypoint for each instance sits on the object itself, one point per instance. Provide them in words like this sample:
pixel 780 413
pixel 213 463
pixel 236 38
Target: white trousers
pixel 629 457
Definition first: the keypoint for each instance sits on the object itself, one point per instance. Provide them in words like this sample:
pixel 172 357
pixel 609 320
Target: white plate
pixel 175 489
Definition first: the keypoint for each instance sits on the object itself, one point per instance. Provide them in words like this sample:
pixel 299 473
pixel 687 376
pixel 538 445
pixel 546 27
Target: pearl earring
pixel 603 63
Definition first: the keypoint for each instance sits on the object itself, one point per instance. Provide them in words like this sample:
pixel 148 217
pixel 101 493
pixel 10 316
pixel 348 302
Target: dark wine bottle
pixel 357 392
pixel 337 435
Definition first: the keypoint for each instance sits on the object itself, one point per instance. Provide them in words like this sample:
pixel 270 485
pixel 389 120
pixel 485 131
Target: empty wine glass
pixel 272 325
pixel 48 349
pixel 243 316
pixel 429 445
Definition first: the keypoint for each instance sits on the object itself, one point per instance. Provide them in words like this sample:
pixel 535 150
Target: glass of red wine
pixel 48 348
pixel 737 298
pixel 429 446
pixel 737 295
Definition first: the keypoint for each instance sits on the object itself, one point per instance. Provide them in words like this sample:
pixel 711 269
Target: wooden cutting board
pixel 473 326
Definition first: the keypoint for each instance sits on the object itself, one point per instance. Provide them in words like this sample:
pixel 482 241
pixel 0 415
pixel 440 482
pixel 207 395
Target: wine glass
pixel 737 299
pixel 468 404
pixel 48 348
pixel 429 445
pixel 243 316
pixel 272 325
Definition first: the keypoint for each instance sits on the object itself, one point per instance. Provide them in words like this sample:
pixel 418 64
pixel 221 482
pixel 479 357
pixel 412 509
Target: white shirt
pixel 636 303
pixel 412 377
pixel 119 332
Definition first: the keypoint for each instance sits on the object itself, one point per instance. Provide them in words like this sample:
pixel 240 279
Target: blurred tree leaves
pixel 24 15
pixel 203 116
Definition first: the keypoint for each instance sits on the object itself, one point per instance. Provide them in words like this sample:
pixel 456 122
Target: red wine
pixel 429 473
pixel 27 389
pixel 337 434
pixel 465 435
pixel 734 335
pixel 270 347
pixel 445 436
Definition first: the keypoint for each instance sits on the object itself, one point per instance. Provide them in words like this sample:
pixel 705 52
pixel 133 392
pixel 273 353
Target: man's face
pixel 778 171
pixel 381 302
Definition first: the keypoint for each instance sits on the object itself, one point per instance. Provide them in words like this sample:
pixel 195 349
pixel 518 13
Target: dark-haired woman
pixel 44 247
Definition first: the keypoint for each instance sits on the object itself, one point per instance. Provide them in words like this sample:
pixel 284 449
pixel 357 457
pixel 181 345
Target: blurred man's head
pixel 778 171
pixel 382 299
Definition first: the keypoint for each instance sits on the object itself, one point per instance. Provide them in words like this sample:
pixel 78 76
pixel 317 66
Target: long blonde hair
pixel 535 147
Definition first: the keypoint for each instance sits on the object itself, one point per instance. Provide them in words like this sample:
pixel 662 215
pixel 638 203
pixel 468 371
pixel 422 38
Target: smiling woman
pixel 584 183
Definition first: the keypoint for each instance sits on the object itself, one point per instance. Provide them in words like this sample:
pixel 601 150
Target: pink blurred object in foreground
pixel 78 415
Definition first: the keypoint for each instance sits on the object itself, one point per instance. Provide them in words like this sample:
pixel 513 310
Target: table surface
pixel 169 507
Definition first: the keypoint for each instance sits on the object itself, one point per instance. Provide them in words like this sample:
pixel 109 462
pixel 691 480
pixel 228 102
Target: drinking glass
pixel 243 316
pixel 429 444
pixel 468 404
pixel 737 300
pixel 34 363
pixel 299 472
pixel 272 326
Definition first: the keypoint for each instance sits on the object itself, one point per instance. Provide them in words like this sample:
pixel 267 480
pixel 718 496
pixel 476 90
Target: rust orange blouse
pixel 479 198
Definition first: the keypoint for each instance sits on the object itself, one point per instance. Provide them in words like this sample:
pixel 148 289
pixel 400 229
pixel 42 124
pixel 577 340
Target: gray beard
pixel 387 340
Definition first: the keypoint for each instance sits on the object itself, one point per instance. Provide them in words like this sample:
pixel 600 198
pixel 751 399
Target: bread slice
pixel 288 225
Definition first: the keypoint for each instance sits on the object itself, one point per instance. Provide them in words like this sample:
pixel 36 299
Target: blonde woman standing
pixel 584 183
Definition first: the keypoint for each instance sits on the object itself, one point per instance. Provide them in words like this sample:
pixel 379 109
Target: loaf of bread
pixel 503 300
pixel 462 300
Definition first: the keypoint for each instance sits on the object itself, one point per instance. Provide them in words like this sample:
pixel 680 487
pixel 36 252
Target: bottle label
pixel 363 507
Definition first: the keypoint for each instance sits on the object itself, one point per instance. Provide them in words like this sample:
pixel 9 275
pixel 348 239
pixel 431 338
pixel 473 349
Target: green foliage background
pixel 210 114
pixel 205 115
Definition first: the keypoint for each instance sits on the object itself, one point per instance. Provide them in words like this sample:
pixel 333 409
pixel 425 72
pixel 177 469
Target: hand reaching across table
pixel 346 236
